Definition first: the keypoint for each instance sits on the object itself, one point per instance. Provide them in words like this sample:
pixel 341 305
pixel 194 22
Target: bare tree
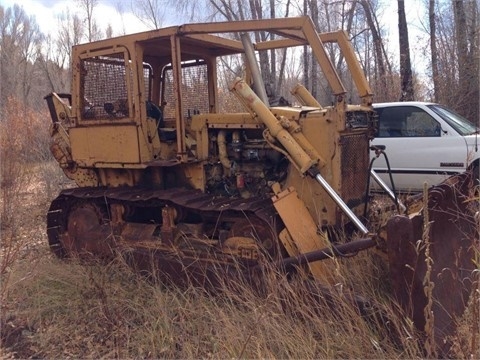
pixel 313 6
pixel 405 63
pixel 19 43
pixel 446 55
pixel 281 73
pixel 273 61
pixel 467 54
pixel 70 33
pixel 380 73
pixel 150 12
pixel 433 48
pixel 360 18
pixel 457 56
pixel 462 43
pixel 88 7
pixel 119 9
pixel 305 63
pixel 56 54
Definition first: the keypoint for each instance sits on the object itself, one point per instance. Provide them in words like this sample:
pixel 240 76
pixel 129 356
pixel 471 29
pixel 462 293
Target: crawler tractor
pixel 181 161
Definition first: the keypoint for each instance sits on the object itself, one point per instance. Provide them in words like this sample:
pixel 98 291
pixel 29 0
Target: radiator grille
pixel 355 162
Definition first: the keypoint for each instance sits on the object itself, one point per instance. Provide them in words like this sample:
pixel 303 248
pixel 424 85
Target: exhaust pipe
pixel 258 85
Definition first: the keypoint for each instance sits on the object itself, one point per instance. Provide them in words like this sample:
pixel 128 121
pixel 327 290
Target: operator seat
pixel 154 112
pixel 165 134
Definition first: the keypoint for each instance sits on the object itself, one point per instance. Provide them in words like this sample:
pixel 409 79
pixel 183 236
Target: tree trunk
pixel 433 49
pixel 281 73
pixel 306 81
pixel 467 55
pixel 314 68
pixel 377 43
pixel 462 45
pixel 273 59
pixel 405 64
pixel 256 11
pixel 474 56
pixel 348 28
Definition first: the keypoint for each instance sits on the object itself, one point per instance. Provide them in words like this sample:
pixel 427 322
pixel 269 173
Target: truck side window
pixel 391 122
pixel 406 121
pixel 421 124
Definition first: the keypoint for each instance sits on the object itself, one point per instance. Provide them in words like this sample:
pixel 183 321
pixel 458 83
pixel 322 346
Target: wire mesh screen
pixel 147 76
pixel 194 90
pixel 228 68
pixel 355 160
pixel 104 81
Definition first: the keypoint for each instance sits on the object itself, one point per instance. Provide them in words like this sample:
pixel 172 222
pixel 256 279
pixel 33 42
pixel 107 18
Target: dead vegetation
pixel 67 309
pixel 58 310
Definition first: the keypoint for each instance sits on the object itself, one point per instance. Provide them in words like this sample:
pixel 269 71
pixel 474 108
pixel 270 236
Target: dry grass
pixel 60 310
pixel 66 309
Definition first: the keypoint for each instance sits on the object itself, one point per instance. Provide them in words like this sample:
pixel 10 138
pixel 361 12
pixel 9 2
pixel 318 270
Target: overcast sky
pixel 47 11
pixel 106 12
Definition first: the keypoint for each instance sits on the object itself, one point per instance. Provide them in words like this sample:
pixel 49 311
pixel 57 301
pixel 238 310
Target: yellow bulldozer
pixel 174 167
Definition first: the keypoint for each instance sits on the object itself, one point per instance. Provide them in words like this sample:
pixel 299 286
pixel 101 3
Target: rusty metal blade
pixel 445 261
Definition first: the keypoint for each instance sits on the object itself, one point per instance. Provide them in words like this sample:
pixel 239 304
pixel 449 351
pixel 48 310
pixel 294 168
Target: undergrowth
pixel 71 309
pixel 96 311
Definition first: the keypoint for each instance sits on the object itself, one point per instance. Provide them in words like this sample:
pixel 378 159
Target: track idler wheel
pixel 86 234
pixel 252 232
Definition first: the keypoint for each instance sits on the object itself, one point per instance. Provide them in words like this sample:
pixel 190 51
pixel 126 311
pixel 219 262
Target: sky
pixel 47 11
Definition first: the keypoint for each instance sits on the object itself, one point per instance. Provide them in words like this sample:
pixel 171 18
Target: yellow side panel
pixel 111 144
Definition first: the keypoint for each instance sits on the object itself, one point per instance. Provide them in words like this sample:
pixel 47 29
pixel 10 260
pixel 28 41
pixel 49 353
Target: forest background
pixel 34 63
pixel 446 43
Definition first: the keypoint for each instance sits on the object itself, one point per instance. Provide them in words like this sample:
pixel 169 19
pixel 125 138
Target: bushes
pixel 24 156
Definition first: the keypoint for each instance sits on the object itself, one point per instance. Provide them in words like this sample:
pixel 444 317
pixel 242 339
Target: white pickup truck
pixel 425 142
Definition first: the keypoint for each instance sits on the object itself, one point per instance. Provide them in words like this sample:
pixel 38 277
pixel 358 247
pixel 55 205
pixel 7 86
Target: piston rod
pixel 387 189
pixel 338 200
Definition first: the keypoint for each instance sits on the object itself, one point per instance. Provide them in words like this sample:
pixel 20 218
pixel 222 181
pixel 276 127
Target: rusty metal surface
pixel 85 233
pixel 354 175
pixel 341 250
pixel 444 262
pixel 78 222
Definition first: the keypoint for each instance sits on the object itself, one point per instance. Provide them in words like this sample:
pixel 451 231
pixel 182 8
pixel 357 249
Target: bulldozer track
pixel 206 206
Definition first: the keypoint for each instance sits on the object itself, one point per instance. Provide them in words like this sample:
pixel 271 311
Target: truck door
pixel 420 147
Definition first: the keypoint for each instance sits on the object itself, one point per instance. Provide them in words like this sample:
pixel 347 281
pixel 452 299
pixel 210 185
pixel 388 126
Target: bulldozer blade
pixel 431 258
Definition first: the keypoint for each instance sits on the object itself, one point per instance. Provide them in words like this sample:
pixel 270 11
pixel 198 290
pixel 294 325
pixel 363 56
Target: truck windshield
pixel 458 122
